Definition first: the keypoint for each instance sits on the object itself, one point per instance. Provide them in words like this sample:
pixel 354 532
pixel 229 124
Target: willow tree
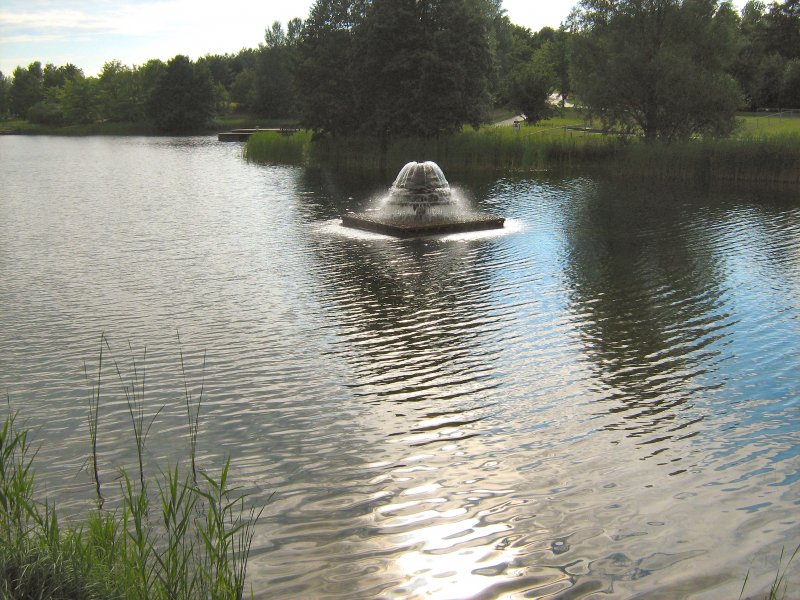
pixel 658 67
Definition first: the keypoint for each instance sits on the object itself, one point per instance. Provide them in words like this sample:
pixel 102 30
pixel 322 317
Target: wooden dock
pixel 242 135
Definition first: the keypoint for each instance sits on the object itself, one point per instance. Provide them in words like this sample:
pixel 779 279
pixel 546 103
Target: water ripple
pixel 601 399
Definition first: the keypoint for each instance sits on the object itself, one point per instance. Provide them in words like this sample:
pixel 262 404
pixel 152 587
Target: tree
pixel 770 42
pixel 557 57
pixel 26 88
pixel 423 67
pixel 390 68
pixel 183 97
pixel 48 111
pixel 657 66
pixel 782 29
pixel 275 92
pixel 80 100
pixel 53 76
pixel 529 92
pixel 790 88
pixel 5 96
pixel 120 93
pixel 243 89
pixel 325 72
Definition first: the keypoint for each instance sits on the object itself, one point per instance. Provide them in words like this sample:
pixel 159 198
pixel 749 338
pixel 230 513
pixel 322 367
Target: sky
pixel 92 32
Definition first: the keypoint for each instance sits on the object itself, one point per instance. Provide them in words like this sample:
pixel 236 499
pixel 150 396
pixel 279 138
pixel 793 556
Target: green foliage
pixel 790 86
pixel 183 97
pixel 529 92
pixel 269 147
pixel 325 71
pixel 49 110
pixel 782 29
pixel 767 50
pixel 523 54
pixel 57 77
pixel 26 89
pixel 120 93
pixel 657 67
pixel 243 89
pixel 5 96
pixel 391 68
pixel 80 103
pixel 274 92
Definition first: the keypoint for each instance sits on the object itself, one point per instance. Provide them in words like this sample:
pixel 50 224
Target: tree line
pixel 390 68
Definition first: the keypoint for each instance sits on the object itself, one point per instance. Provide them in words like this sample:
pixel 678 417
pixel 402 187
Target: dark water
pixel 602 401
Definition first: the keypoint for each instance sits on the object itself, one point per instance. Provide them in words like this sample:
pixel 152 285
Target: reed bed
pixel 171 536
pixel 487 149
pixel 774 161
pixel 764 159
pixel 271 147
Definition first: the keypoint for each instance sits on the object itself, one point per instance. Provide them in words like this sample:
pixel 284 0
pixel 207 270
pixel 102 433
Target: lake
pixel 599 401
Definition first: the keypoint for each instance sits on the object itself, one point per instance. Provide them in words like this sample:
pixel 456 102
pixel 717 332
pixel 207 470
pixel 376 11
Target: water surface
pixel 601 401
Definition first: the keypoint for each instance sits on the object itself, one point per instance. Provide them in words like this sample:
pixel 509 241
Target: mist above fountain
pixel 420 202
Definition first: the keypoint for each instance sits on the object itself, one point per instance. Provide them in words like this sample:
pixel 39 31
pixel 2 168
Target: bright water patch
pixel 600 401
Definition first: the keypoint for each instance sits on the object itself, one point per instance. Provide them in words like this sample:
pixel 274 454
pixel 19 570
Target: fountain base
pixel 404 226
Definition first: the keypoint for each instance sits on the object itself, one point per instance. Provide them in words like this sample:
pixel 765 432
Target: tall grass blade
pixel 94 414
pixel 192 408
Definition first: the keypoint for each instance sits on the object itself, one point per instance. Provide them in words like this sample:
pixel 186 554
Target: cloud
pixel 49 20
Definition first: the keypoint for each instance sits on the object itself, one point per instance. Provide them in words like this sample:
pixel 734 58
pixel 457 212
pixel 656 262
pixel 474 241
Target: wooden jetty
pixel 242 135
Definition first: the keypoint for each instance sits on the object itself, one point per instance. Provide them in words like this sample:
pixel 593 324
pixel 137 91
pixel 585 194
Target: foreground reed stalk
pixel 94 413
pixel 169 537
pixel 192 408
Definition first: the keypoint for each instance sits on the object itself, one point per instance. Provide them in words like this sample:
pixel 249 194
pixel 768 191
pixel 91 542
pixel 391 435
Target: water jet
pixel 420 202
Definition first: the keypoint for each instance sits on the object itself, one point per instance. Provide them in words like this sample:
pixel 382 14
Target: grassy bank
pixel 170 536
pixel 220 123
pixel 761 150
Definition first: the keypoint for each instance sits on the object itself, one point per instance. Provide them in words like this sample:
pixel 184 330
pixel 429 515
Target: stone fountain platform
pixel 409 226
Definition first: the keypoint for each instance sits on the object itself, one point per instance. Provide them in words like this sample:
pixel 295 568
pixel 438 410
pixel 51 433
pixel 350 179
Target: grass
pixel 768 125
pixel 108 128
pixel 218 123
pixel 171 536
pixel 780 586
pixel 763 149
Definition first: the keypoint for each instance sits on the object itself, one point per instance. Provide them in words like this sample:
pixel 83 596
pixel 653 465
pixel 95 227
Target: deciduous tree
pixel 275 90
pixel 183 97
pixel 390 68
pixel 26 88
pixel 325 74
pixel 657 66
pixel 5 96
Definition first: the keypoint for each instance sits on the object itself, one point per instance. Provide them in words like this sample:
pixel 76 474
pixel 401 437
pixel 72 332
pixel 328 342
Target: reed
pixel 769 160
pixel 93 416
pixel 764 157
pixel 169 537
pixel 271 147
pixel 133 387
pixel 192 409
pixel 780 586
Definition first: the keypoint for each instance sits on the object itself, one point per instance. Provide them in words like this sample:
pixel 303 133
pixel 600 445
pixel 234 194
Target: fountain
pixel 420 202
